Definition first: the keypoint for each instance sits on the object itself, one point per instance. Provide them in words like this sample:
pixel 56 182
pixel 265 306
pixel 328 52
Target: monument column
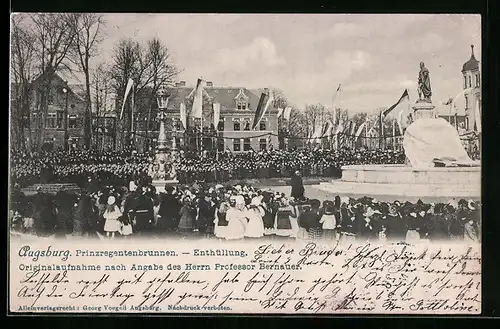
pixel 162 169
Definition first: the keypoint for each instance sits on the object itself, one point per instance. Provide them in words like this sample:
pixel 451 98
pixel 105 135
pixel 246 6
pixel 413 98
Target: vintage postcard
pixel 253 163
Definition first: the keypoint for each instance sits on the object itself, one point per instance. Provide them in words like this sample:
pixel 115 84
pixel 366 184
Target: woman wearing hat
pixel 111 215
pixel 187 216
pixel 255 226
pixel 329 220
pixel 282 223
pixel 236 219
pixel 413 226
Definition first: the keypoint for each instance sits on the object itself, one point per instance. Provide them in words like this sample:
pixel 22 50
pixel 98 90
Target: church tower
pixel 471 79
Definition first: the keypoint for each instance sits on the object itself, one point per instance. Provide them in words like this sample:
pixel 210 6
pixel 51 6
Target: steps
pixel 407 190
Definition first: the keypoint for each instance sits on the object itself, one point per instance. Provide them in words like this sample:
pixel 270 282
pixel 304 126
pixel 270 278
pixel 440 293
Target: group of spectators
pixel 120 167
pixel 235 212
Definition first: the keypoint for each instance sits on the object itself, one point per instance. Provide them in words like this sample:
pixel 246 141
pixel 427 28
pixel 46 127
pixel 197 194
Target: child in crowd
pixel 328 220
pixel 111 215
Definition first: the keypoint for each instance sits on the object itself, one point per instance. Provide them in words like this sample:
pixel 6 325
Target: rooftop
pixel 472 63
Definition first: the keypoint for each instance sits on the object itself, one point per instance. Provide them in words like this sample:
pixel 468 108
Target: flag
pixel 334 106
pixel 197 109
pixel 287 112
pixel 327 129
pixel 458 95
pixel 403 97
pixel 448 101
pixel 353 128
pixel 400 122
pixel 130 83
pixel 280 112
pixel 360 130
pixel 264 102
pixel 216 107
pixel 183 115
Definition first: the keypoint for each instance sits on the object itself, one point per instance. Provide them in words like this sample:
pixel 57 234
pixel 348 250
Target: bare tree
pixel 161 72
pixel 149 66
pixel 88 32
pixel 126 65
pixel 21 77
pixel 53 38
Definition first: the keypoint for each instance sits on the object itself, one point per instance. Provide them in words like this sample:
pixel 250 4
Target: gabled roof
pixel 226 96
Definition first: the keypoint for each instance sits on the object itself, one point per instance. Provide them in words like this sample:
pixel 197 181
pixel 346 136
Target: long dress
pixel 236 224
pixel 282 224
pixel 255 226
pixel 187 218
pixel 220 221
pixel 112 223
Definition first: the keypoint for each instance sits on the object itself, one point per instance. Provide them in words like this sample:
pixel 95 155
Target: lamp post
pixel 162 99
pixel 65 119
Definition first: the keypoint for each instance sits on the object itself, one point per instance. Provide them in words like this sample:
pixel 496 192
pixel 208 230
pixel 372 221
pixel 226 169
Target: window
pixel 241 105
pixel 72 121
pixel 60 119
pixel 236 145
pixel 51 120
pixel 466 102
pixel 220 126
pixel 467 123
pixel 246 144
pixel 470 81
pixel 177 124
pixel 246 126
pixel 465 82
pixel 236 125
pixel 263 144
pixel 220 144
pixel 477 80
pixel 262 125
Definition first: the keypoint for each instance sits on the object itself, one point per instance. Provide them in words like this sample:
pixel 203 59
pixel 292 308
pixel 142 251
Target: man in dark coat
pixel 44 214
pixel 169 211
pixel 297 186
pixel 143 213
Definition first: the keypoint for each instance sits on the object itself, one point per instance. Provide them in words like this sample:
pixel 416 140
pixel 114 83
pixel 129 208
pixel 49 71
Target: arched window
pixel 477 80
pixel 246 125
pixel 236 125
pixel 466 102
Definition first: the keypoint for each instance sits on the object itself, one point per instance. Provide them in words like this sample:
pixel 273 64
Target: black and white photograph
pixel 228 131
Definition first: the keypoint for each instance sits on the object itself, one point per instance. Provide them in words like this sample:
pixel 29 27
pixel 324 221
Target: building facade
pixel 61 98
pixel 464 118
pixel 233 132
pixel 472 86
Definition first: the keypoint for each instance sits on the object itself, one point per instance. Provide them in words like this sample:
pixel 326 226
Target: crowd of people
pixel 121 167
pixel 236 212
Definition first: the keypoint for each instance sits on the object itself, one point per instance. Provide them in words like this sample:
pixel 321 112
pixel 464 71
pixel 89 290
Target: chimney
pixel 210 84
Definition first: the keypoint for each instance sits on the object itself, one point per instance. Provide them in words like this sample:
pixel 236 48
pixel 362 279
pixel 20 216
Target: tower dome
pixel 472 63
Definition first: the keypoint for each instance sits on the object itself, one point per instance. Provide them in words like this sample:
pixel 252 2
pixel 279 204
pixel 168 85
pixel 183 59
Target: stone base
pixel 423 110
pixel 408 182
pixel 160 184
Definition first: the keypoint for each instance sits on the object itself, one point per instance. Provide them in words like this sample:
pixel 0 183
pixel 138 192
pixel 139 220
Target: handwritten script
pixel 271 278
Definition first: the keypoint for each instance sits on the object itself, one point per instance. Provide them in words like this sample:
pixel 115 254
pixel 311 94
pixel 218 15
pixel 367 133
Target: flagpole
pixel 132 126
pixel 394 134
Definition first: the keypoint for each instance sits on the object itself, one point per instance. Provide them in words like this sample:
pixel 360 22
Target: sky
pixel 373 57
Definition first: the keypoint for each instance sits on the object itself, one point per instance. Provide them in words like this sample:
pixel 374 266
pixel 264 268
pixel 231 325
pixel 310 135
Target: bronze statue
pixel 424 84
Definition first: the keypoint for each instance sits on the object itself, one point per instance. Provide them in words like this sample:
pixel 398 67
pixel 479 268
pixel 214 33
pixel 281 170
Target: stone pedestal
pixel 160 184
pixel 423 110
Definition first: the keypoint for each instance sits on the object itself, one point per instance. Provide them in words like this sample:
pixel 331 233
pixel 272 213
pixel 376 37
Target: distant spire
pixel 472 51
